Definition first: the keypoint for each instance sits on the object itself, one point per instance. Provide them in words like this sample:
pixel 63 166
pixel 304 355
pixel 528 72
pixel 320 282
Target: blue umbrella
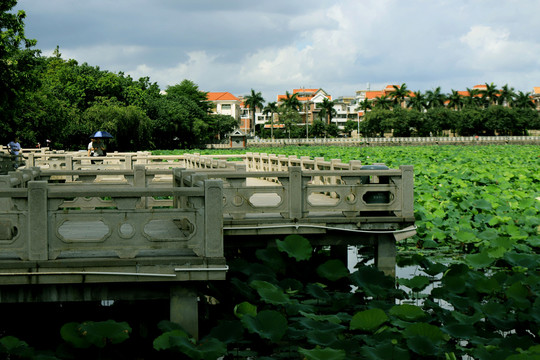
pixel 101 134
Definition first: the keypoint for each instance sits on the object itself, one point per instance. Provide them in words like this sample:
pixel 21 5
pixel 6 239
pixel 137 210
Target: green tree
pixel 290 118
pixel 455 100
pixel 377 122
pixel 318 128
pixel 438 119
pixel 180 119
pixel 364 105
pixel 17 68
pixel 220 126
pixel 327 110
pixel 523 100
pixel 417 101
pixel 399 94
pixel 435 98
pixel 489 94
pixel 253 101
pixel 501 120
pixel 383 102
pixel 403 121
pixel 350 126
pixel 291 102
pixel 470 121
pixel 271 108
pixel 189 90
pixel 473 98
pixel 506 94
pixel 129 124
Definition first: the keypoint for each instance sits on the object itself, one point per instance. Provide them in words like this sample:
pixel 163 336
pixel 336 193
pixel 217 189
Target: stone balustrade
pixel 78 224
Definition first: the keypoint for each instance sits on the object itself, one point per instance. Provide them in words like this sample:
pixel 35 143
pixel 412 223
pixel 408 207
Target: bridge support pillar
pixel 385 254
pixel 184 310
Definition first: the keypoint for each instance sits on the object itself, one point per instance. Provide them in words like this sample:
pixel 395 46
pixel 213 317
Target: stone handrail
pixel 300 194
pixel 59 160
pixel 44 221
pixel 395 140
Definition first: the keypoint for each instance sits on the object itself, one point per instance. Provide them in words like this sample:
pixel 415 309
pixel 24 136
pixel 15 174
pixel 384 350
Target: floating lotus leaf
pixel 529 261
pixel 425 330
pixel 209 349
pixel 330 318
pixel 163 342
pixel 317 292
pixel 268 324
pixel 407 312
pixel 323 354
pixel 333 270
pixel 416 283
pixel 322 337
pixel 95 333
pixel 385 350
pixel 368 320
pixel 480 260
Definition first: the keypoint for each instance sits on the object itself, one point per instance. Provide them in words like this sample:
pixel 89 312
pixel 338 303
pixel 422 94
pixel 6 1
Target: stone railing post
pixel 407 190
pixel 139 180
pixel 296 193
pixel 31 160
pixel 213 218
pixel 37 221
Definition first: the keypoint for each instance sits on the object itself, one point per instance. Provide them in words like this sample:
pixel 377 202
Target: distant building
pixel 536 97
pixel 308 98
pixel 225 103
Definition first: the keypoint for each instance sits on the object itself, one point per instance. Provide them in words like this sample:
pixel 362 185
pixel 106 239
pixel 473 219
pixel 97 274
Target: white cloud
pixel 495 50
pixel 280 45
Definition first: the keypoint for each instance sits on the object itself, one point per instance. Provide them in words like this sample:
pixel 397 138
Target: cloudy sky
pixel 275 46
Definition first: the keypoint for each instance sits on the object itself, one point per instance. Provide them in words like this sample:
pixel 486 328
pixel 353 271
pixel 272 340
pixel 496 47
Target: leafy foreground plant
pixel 297 302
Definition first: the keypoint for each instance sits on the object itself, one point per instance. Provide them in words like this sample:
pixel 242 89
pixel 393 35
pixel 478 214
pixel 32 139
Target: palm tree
pixel 472 99
pixel 254 101
pixel 291 101
pixel 328 110
pixel 364 105
pixel 418 101
pixel 399 94
pixel 455 100
pixel 435 98
pixel 271 108
pixel 506 95
pixel 382 102
pixel 523 100
pixel 489 94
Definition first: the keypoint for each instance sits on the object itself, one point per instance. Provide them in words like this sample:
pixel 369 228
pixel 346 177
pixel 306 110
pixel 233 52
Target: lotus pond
pixel 478 215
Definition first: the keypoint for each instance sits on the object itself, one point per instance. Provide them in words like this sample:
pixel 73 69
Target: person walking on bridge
pixel 15 152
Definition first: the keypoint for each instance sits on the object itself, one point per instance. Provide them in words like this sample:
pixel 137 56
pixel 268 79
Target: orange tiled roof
pixel 373 94
pixel 215 96
pixel 302 98
pixel 305 90
pixel 536 90
pixel 480 87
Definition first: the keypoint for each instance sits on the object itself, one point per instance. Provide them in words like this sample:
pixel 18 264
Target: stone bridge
pixel 136 226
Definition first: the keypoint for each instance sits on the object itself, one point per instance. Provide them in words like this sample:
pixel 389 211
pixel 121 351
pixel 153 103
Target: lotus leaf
pixel 295 246
pixel 323 354
pixel 268 324
pixel 368 320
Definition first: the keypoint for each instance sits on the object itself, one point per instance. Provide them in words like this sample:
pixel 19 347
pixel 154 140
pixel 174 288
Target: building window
pixel 225 106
